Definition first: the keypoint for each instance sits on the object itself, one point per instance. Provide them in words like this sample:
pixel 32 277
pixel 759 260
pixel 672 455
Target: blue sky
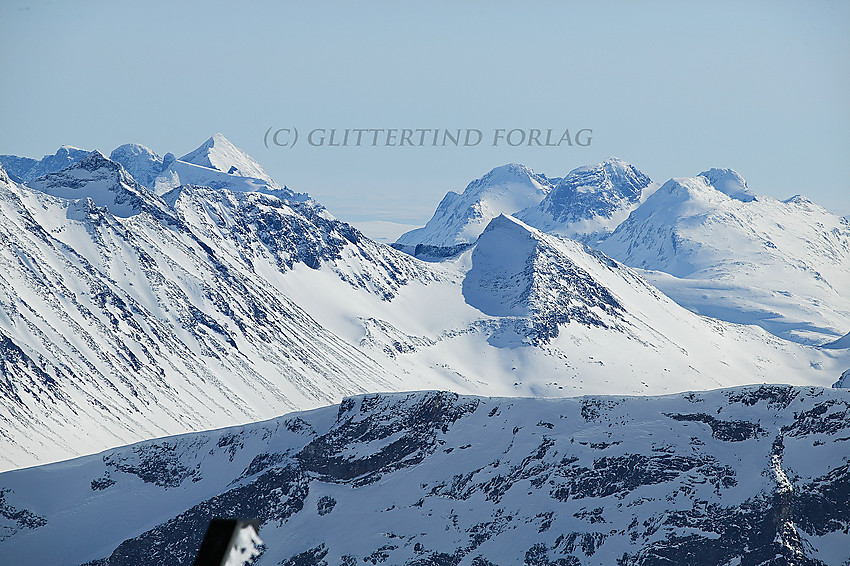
pixel 672 87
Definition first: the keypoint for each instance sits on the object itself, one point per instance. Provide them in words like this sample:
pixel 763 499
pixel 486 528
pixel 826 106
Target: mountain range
pixel 129 314
pixel 565 331
pixel 708 241
pixel 749 475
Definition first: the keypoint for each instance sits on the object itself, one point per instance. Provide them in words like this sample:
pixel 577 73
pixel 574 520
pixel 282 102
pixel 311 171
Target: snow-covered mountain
pixel 218 153
pixel 103 181
pixel 526 313
pixel 590 202
pixel 127 315
pixel 216 163
pixel 586 204
pixel 751 475
pixel 707 241
pixel 177 173
pixel 717 249
pixel 460 218
pixel 142 163
pixel 24 169
pixel 129 325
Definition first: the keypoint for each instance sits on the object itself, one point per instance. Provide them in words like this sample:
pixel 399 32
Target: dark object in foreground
pixel 226 537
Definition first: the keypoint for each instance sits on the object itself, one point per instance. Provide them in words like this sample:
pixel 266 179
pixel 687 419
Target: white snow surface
pixel 142 163
pixel 245 548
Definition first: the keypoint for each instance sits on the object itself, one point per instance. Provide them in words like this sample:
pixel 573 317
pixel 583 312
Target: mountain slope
pixel 526 313
pixel 559 295
pixel 216 163
pixel 116 329
pixel 781 265
pixel 103 181
pixel 747 475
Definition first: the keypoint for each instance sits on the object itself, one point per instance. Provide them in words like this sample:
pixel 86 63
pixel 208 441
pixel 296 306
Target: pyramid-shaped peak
pixel 200 155
pixel 220 154
pixel 217 140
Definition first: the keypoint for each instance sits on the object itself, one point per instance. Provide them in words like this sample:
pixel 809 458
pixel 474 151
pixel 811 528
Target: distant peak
pixel 595 190
pixel 611 167
pixel 68 152
pixel 798 199
pixel 132 149
pixel 511 168
pixel 217 140
pixel 504 174
pixel 510 172
pixel 220 154
pixel 730 183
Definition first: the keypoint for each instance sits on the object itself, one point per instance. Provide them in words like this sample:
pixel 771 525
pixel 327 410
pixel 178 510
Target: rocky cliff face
pixel 750 475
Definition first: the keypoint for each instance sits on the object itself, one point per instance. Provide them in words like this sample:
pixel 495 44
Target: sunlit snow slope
pixel 717 249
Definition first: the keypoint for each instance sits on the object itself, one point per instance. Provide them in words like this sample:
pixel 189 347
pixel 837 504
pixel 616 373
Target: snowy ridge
pixel 216 163
pixel 143 164
pixel 706 241
pixel 754 474
pixel 730 183
pixel 25 169
pixel 272 236
pixel 517 271
pixel 547 316
pixel 103 181
pixel 177 173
